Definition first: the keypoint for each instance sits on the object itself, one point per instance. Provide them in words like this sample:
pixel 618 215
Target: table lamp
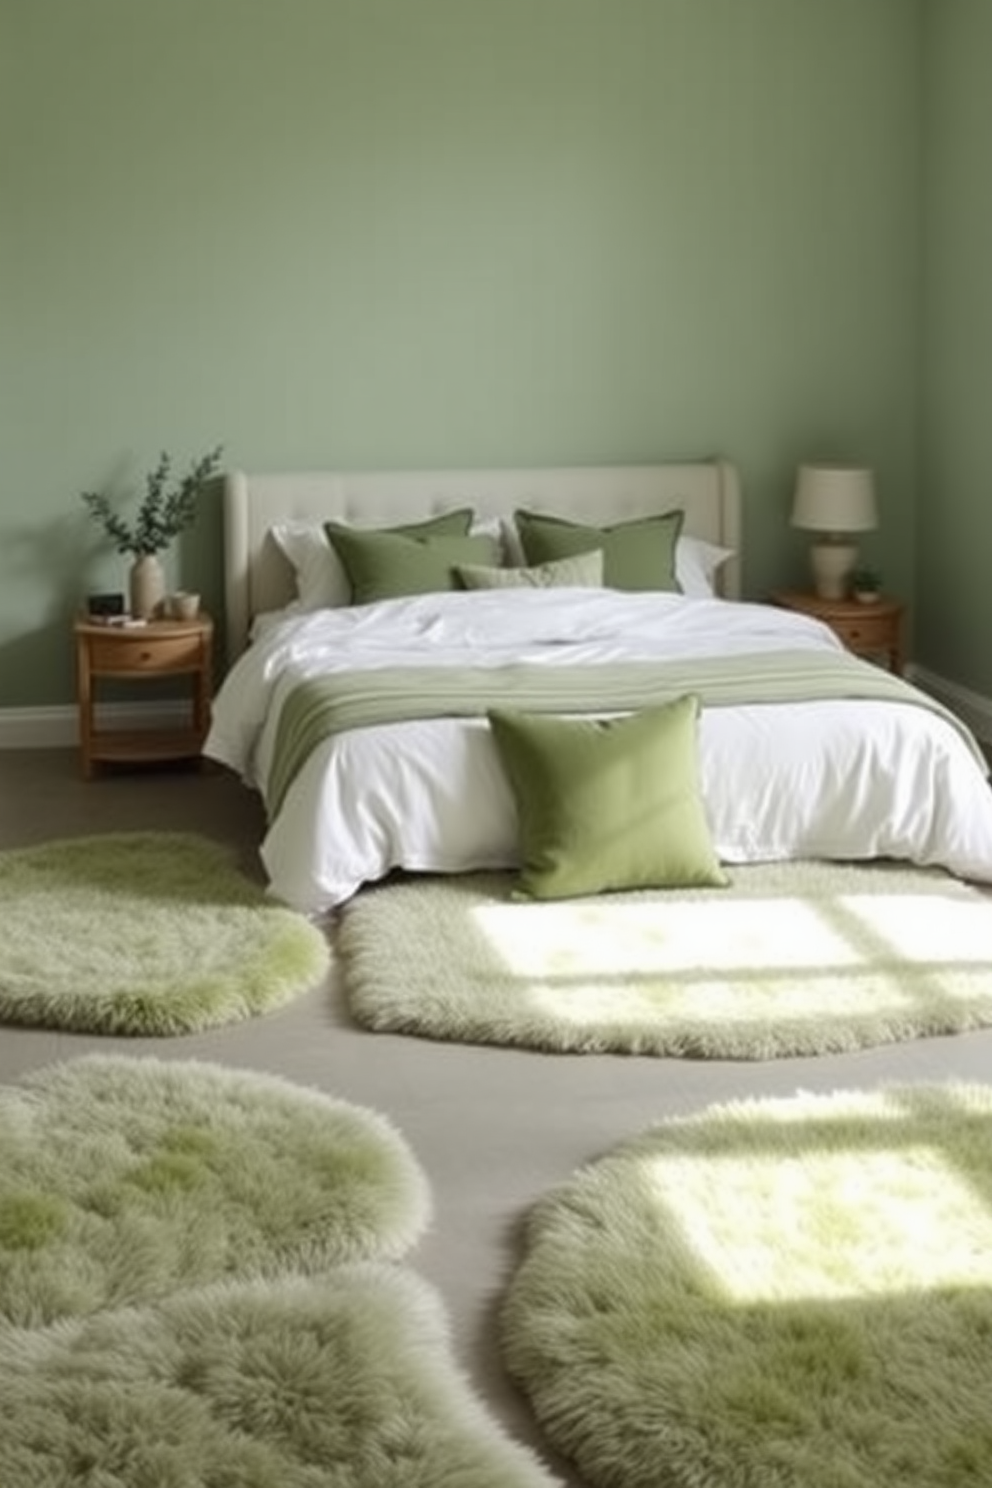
pixel 834 501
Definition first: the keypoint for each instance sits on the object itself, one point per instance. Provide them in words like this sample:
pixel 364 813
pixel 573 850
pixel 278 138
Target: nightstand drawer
pixel 865 633
pixel 123 653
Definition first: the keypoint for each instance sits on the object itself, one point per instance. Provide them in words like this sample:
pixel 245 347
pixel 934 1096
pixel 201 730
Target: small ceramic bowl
pixel 184 605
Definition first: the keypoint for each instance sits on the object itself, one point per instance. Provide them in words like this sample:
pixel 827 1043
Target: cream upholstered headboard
pixel 258 577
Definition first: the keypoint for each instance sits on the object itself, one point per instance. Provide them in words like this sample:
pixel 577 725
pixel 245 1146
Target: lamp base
pixel 831 564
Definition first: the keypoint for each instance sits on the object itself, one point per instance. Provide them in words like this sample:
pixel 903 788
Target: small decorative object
pixel 146 586
pixel 184 605
pixel 99 606
pixel 164 512
pixel 835 502
pixel 866 585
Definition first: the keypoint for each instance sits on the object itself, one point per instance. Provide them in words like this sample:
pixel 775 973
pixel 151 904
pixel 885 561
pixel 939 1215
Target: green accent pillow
pixel 382 564
pixel 455 523
pixel 607 803
pixel 585 571
pixel 636 555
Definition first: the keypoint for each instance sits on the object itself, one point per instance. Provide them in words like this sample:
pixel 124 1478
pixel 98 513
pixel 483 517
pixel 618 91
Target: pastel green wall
pixel 954 577
pixel 364 233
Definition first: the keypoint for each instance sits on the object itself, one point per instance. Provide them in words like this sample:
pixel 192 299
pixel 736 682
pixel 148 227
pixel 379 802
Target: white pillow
pixel 696 563
pixel 321 581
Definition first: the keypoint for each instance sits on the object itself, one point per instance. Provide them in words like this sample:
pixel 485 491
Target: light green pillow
pixel 388 565
pixel 585 571
pixel 636 555
pixel 607 804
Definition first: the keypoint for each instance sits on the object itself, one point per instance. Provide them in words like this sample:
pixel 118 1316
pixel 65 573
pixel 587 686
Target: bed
pixel 864 767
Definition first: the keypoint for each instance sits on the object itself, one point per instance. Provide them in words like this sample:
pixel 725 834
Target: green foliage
pixel 165 511
pixel 865 581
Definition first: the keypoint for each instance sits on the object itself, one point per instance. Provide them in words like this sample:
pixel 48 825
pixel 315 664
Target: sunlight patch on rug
pixel 790 959
pixel 792 1291
pixel 348 1379
pixel 951 1225
pixel 145 933
pixel 124 1179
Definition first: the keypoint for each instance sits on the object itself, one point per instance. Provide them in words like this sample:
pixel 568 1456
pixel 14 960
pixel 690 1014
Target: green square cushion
pixel 607 804
pixel 585 570
pixel 386 564
pixel 636 555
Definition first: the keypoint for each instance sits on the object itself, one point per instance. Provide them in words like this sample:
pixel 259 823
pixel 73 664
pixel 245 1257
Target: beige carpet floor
pixel 495 1129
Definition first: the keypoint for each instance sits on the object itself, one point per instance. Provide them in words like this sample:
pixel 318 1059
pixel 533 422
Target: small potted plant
pixel 866 585
pixel 165 511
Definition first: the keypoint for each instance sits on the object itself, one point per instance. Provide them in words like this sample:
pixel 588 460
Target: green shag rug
pixel 122 1180
pixel 790 959
pixel 346 1381
pixel 145 933
pixel 774 1294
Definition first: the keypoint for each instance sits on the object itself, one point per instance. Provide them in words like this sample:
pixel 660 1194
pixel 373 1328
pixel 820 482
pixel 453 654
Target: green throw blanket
pixel 323 706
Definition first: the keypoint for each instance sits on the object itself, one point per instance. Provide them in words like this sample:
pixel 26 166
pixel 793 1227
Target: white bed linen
pixel 844 779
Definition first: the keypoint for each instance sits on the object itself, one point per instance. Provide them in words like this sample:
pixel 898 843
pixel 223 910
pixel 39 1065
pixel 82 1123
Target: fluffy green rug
pixel 123 1179
pixel 144 933
pixel 791 959
pixel 778 1294
pixel 343 1382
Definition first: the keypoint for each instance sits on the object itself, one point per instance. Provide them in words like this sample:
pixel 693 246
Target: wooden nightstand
pixel 160 648
pixel 873 630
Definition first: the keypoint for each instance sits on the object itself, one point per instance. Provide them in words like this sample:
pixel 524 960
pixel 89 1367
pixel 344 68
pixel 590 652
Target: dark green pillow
pixel 636 555
pixel 447 524
pixel 607 804
pixel 387 565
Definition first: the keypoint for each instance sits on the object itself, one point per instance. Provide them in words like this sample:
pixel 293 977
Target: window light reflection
pixel 780 1228
pixel 807 957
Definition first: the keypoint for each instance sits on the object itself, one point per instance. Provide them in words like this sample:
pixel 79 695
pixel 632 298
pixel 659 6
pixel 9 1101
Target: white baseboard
pixel 58 727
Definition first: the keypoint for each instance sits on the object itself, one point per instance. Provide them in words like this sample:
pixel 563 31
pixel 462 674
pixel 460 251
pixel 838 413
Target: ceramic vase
pixel 146 582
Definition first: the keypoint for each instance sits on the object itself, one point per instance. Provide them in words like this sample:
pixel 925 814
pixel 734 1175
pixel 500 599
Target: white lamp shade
pixel 834 498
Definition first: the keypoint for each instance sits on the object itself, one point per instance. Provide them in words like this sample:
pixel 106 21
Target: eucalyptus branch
pixel 165 510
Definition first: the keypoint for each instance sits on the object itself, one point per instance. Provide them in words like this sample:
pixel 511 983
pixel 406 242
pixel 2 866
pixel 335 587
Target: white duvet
pixel 844 779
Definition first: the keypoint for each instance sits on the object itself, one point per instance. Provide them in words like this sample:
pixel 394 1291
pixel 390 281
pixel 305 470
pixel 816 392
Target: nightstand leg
pixel 203 691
